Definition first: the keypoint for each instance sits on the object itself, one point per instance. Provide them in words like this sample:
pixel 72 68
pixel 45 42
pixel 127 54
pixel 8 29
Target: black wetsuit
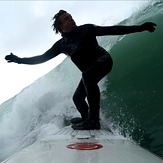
pixel 94 62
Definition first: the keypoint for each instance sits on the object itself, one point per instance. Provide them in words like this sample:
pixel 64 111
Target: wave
pixel 131 103
pixel 132 100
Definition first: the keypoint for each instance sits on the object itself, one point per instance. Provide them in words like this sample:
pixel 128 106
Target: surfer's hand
pixel 149 26
pixel 13 58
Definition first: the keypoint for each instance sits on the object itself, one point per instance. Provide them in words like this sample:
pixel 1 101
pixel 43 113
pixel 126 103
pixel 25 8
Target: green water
pixel 133 98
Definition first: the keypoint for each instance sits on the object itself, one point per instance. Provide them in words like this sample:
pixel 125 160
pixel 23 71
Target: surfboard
pixel 84 146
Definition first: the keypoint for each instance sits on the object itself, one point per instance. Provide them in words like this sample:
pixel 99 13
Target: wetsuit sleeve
pixel 115 30
pixel 49 54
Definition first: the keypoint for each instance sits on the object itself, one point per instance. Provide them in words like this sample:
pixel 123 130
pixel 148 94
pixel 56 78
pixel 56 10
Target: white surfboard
pixel 84 146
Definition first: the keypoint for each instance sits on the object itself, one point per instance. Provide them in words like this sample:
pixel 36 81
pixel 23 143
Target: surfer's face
pixel 67 23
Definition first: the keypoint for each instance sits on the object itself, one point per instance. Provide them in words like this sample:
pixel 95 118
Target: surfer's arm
pixel 49 54
pixel 121 30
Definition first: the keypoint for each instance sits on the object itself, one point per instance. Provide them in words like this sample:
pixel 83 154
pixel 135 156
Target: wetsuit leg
pixel 88 87
pixel 79 100
pixel 90 78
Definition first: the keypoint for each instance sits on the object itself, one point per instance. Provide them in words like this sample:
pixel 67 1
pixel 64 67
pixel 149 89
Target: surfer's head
pixel 63 22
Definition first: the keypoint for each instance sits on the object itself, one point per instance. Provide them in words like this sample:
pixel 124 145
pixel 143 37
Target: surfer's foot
pixel 76 120
pixel 87 125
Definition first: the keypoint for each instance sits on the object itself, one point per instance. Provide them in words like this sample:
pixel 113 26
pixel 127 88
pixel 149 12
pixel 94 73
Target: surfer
pixel 80 44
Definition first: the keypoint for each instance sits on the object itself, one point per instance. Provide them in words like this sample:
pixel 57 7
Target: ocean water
pixel 131 101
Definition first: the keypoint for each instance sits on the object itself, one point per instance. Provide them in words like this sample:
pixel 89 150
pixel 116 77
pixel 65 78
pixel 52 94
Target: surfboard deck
pixel 84 146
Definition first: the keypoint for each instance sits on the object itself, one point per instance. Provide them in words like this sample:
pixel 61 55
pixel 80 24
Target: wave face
pixel 131 102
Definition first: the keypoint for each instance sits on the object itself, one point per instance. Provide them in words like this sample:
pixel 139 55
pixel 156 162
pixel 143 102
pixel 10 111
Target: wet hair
pixel 57 21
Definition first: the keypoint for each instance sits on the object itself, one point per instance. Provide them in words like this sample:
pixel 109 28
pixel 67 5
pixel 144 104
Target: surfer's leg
pixel 79 100
pixel 90 78
pixel 93 95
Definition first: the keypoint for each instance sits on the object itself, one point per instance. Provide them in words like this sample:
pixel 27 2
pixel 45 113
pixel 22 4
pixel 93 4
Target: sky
pixel 26 31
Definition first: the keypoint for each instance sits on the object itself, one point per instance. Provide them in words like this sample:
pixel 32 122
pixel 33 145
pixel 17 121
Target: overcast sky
pixel 25 30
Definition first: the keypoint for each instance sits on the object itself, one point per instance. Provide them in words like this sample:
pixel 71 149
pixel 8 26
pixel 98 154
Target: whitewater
pixel 131 102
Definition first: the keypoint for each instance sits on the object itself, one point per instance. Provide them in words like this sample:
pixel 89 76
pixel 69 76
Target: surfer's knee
pixel 88 77
pixel 74 98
